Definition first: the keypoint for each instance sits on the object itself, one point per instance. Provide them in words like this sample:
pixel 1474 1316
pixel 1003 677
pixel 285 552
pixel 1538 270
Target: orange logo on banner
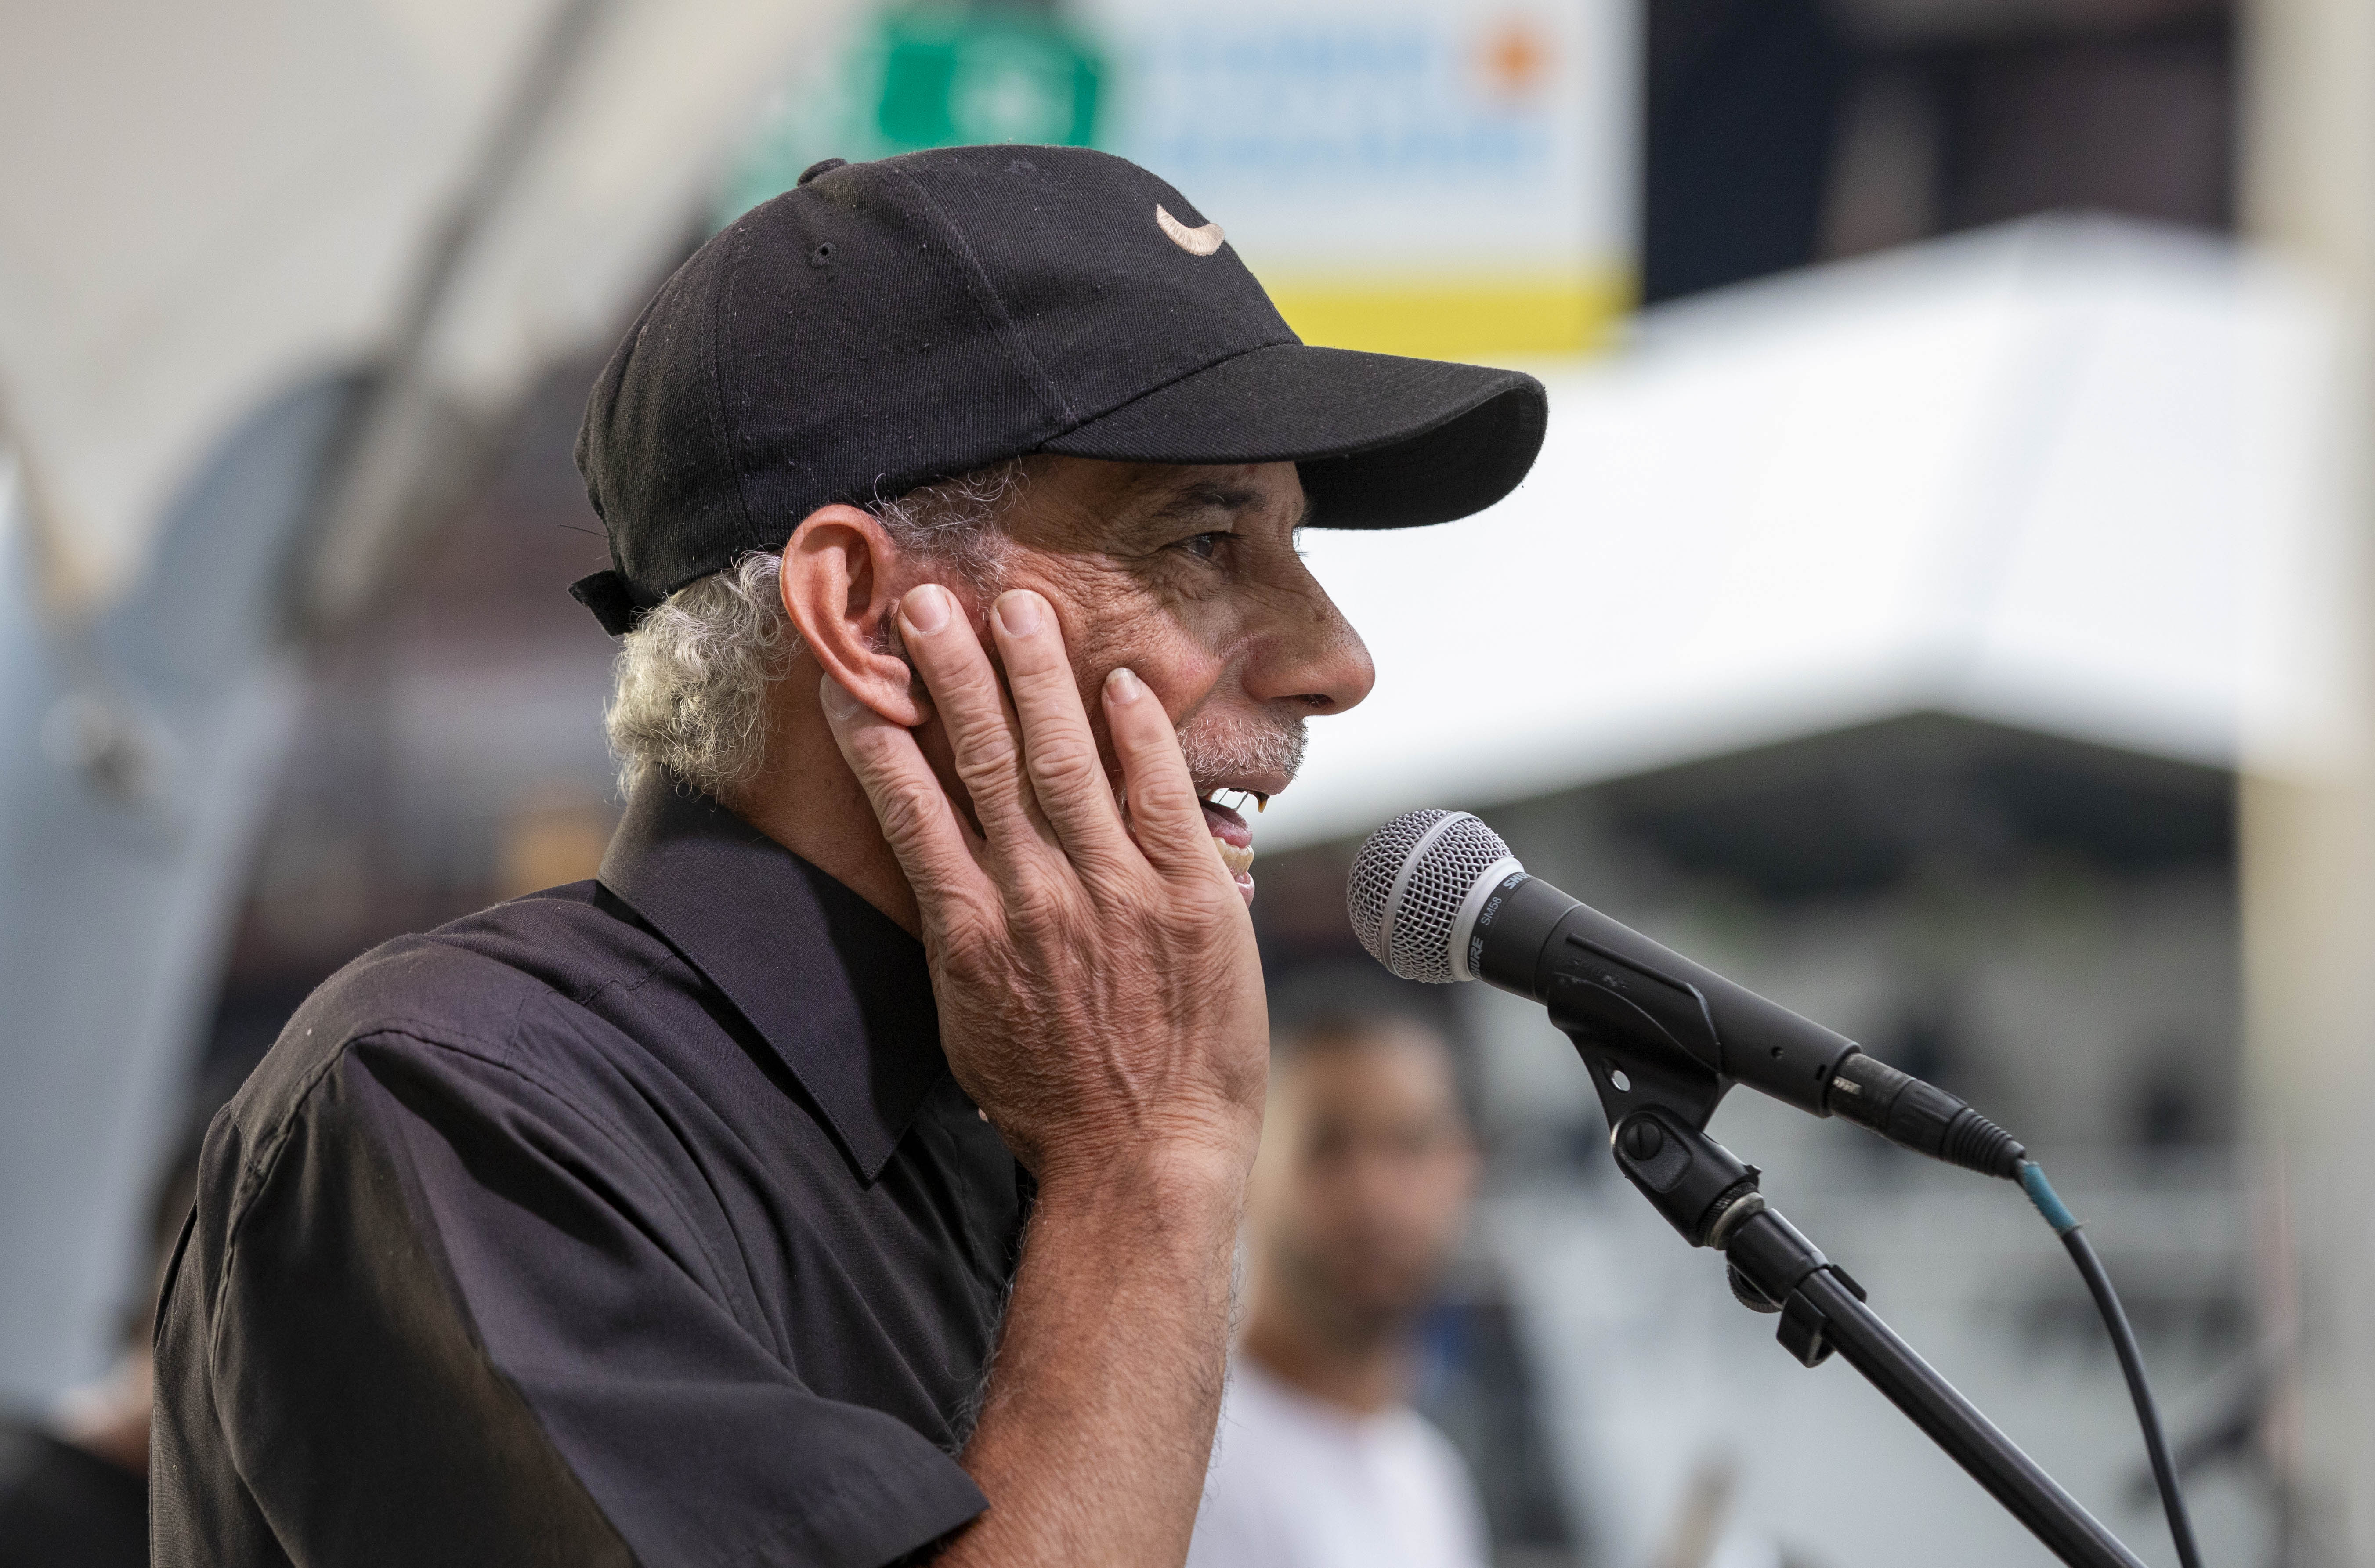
pixel 1516 59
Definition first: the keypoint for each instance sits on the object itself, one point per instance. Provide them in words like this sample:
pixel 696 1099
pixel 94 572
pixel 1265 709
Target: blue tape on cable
pixel 2049 1203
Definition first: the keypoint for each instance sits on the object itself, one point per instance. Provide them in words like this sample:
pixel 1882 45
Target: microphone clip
pixel 1658 1096
pixel 1698 1184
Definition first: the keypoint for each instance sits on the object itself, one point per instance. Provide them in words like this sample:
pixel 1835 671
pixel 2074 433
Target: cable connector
pixel 1921 1117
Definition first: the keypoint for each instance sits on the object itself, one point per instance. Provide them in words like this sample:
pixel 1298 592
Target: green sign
pixel 926 76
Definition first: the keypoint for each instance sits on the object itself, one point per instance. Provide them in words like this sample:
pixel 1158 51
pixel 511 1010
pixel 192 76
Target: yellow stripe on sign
pixel 1473 317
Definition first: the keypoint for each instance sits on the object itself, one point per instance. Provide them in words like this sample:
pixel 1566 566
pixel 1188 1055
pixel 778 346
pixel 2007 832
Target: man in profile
pixel 851 1174
pixel 1364 1180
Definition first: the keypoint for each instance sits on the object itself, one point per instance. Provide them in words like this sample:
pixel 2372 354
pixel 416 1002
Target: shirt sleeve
pixel 458 1318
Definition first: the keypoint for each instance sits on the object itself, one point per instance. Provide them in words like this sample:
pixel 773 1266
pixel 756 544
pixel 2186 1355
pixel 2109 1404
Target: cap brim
pixel 1382 441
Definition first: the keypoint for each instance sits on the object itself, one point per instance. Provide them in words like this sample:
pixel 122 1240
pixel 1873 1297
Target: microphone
pixel 1437 896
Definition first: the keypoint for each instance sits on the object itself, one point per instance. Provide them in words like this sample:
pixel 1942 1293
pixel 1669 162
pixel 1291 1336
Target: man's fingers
pixel 917 817
pixel 1163 807
pixel 1060 750
pixel 983 735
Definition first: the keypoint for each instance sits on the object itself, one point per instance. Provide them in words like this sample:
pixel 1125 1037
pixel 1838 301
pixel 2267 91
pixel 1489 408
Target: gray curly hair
pixel 689 686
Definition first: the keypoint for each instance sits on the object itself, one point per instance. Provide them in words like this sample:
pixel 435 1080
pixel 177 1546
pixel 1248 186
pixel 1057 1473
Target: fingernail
pixel 927 609
pixel 837 698
pixel 1123 686
pixel 1019 613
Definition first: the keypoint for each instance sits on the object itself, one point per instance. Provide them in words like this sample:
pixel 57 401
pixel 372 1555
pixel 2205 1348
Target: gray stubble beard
pixel 1214 759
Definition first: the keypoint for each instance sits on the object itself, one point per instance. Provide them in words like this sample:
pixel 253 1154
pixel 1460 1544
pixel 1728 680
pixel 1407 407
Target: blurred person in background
pixel 1359 1194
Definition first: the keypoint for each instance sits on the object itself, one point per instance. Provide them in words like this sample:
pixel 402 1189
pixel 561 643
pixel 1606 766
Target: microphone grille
pixel 1409 883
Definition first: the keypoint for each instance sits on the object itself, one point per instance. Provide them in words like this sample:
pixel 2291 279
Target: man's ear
pixel 841 586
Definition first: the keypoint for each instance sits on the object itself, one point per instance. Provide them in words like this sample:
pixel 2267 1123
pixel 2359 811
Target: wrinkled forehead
pixel 1086 505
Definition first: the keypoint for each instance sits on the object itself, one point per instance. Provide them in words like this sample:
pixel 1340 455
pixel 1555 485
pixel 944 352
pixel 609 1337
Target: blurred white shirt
pixel 1299 1483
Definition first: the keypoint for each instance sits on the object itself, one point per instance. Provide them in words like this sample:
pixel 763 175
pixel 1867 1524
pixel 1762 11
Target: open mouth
pixel 1232 834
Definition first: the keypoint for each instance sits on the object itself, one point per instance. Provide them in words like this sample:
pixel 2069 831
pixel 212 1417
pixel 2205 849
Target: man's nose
pixel 1310 654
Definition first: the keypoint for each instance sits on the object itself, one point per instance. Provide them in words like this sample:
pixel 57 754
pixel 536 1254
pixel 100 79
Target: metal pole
pixel 1822 1312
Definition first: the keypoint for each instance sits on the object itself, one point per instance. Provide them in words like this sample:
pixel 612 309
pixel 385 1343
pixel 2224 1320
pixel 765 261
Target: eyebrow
pixel 1206 495
pixel 1212 495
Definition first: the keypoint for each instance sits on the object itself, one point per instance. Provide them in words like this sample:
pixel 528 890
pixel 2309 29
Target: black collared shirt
pixel 635 1222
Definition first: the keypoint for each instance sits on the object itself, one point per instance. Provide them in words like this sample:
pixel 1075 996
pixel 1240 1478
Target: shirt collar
pixel 838 991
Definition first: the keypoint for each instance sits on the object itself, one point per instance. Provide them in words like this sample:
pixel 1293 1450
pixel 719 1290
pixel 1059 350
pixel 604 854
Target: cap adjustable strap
pixel 614 603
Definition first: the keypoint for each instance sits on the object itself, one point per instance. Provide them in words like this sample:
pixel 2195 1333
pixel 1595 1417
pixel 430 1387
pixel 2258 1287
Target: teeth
pixel 1240 862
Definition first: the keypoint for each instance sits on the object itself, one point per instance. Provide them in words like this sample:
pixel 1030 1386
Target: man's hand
pixel 1101 1000
pixel 1099 991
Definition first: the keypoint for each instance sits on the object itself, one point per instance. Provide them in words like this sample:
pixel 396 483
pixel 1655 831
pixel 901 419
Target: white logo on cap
pixel 1195 242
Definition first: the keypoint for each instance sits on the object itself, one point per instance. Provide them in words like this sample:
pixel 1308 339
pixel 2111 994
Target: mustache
pixel 1220 752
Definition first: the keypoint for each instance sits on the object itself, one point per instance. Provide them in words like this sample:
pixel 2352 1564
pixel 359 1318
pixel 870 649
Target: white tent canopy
pixel 206 204
pixel 2031 475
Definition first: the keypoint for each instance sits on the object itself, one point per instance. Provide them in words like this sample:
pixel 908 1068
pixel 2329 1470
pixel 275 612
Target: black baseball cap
pixel 887 323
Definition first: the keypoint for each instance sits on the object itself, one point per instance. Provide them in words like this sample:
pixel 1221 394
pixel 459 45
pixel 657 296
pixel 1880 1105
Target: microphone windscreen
pixel 1411 883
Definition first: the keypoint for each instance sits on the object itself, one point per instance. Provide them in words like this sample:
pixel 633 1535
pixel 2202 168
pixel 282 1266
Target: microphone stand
pixel 1658 1104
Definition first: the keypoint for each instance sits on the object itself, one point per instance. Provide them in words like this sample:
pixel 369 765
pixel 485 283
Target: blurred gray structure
pixel 142 743
pixel 2046 925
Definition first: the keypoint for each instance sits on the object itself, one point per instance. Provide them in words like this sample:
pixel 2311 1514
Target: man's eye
pixel 1203 546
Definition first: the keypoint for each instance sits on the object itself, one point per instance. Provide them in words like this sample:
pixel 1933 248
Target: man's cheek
pixel 1183 673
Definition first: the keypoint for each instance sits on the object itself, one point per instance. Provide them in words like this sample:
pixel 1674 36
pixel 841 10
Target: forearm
pixel 1098 1417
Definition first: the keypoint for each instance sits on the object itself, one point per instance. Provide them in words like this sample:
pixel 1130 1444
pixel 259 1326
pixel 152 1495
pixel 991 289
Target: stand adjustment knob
pixel 1746 1293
